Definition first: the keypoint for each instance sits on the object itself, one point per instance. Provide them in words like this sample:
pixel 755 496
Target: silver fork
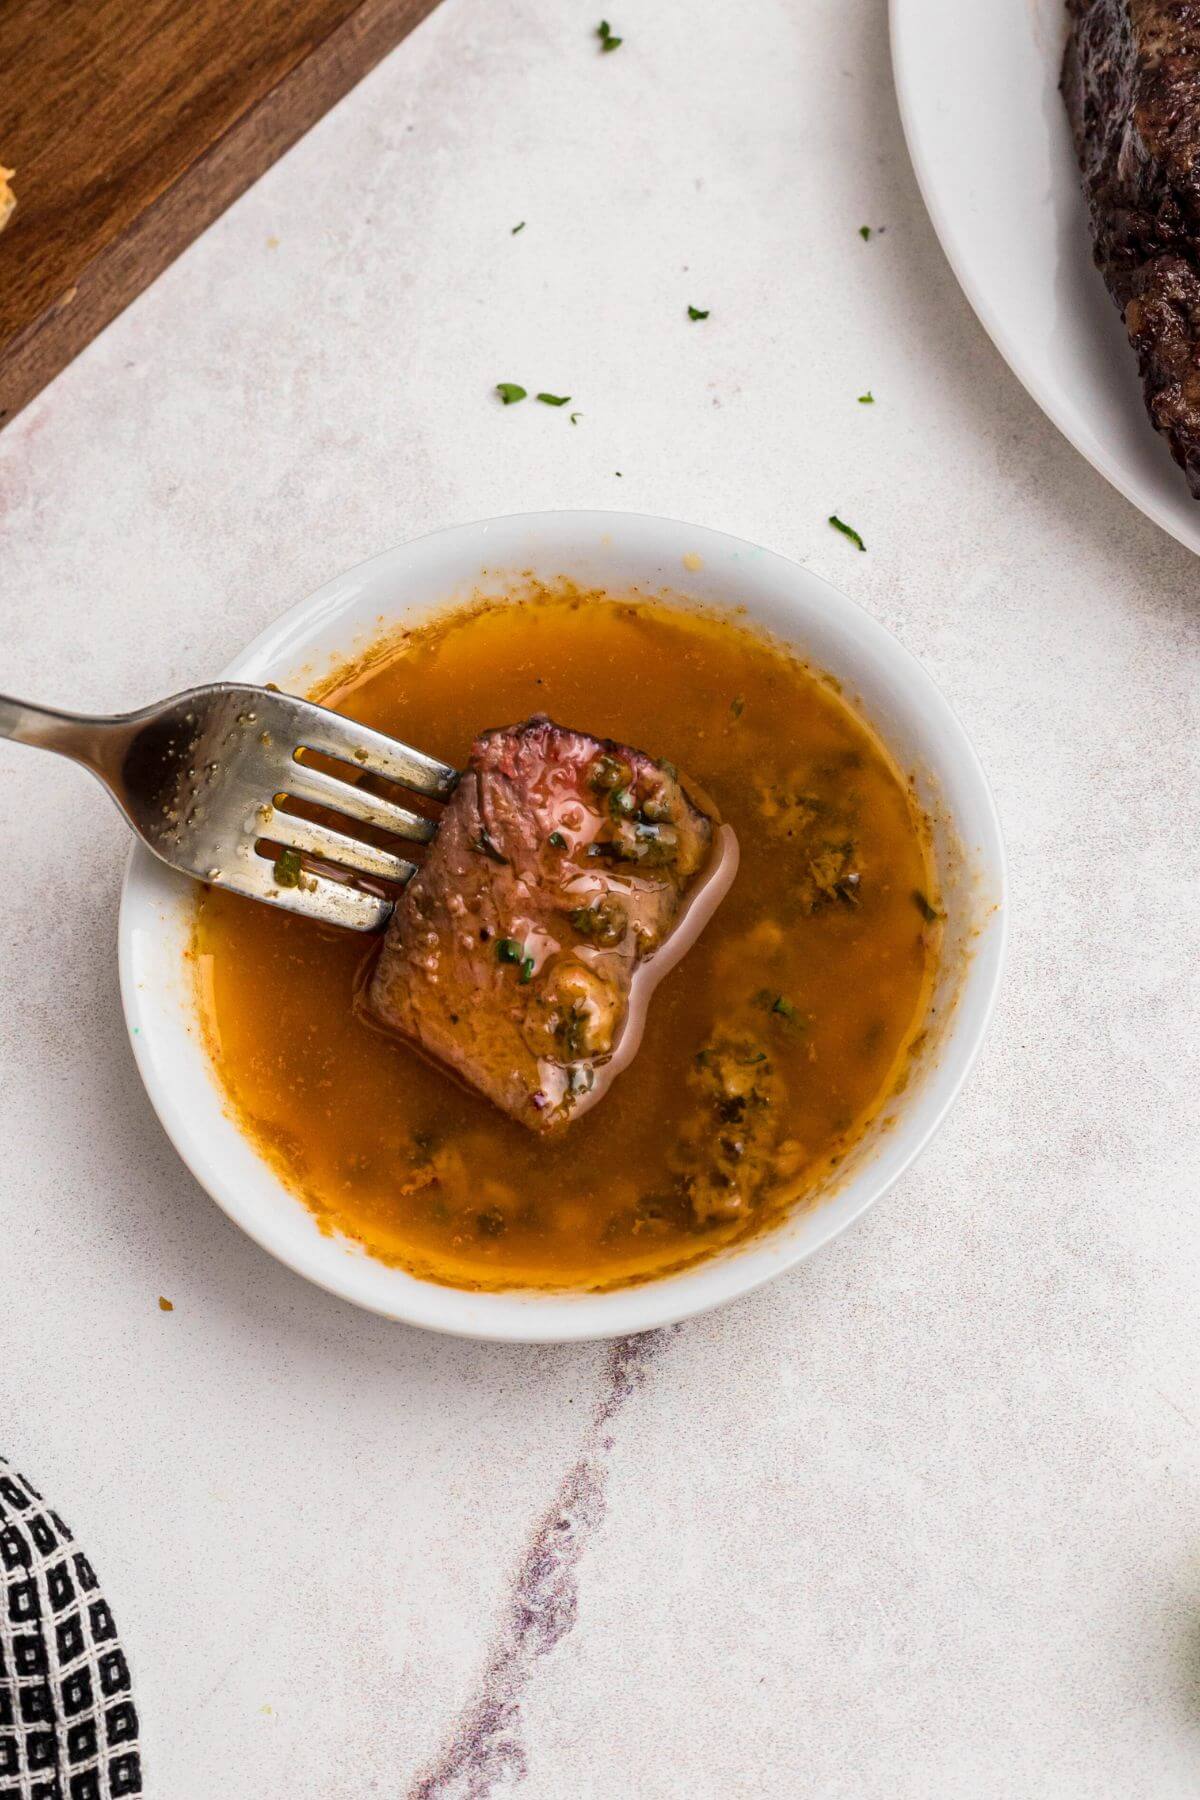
pixel 201 778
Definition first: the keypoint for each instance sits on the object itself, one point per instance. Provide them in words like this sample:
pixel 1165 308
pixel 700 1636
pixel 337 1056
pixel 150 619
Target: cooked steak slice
pixel 522 953
pixel 1131 81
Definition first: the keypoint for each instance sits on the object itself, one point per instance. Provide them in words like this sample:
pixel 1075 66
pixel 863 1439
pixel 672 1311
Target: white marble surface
pixel 918 1520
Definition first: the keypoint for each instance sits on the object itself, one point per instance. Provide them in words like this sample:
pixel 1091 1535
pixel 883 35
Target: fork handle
pixel 70 734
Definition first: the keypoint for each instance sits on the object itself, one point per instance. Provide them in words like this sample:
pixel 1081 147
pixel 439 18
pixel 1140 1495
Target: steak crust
pixel 1131 83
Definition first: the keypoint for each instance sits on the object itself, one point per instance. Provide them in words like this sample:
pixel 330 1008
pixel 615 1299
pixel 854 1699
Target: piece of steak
pixel 1131 82
pixel 568 873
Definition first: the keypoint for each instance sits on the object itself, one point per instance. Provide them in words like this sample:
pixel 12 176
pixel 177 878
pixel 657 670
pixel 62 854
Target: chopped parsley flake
pixel 509 392
pixel 928 912
pixel 609 772
pixel 575 418
pixel 508 950
pixel 864 232
pixel 694 312
pixel 783 1006
pixel 486 844
pixel 517 228
pixel 867 399
pixel 607 40
pixel 554 399
pixel 846 530
pixel 287 869
pixel 737 706
pixel 557 839
pixel 527 968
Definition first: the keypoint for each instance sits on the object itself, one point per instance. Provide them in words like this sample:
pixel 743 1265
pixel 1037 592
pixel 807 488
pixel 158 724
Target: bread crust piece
pixel 1131 83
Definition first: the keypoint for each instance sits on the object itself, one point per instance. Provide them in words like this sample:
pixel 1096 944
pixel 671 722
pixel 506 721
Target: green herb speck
pixel 609 772
pixel 554 399
pixel 287 869
pixel 607 40
pixel 867 399
pixel 509 951
pixel 737 706
pixel 783 1006
pixel 509 392
pixel 846 530
pixel 864 232
pixel 575 418
pixel 527 968
pixel 694 312
pixel 928 912
pixel 487 846
pixel 557 839
pixel 517 228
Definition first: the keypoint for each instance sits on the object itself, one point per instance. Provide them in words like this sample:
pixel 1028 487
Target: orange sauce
pixel 827 984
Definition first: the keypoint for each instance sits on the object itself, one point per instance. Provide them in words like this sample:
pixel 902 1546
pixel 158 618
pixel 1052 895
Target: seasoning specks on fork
pixel 209 780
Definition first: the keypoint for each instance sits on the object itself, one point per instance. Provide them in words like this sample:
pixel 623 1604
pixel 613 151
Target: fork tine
pixel 302 782
pixel 333 846
pixel 362 748
pixel 329 902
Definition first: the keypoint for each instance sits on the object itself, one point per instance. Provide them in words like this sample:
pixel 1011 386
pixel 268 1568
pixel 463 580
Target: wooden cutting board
pixel 131 124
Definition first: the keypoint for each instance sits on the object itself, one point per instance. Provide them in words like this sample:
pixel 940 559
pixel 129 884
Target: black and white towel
pixel 68 1725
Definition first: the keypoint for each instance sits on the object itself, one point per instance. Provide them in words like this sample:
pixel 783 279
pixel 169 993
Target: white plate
pixel 616 551
pixel 977 82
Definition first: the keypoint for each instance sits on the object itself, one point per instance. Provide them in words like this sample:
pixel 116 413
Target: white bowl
pixel 617 551
pixel 988 135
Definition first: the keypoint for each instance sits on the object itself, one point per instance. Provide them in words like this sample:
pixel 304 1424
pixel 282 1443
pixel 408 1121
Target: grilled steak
pixel 522 953
pixel 1131 81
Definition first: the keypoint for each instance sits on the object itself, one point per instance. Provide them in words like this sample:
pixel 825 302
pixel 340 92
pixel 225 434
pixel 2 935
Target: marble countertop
pixel 919 1519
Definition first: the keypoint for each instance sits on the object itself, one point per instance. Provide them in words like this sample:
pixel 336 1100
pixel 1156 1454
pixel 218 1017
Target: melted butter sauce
pixel 388 1149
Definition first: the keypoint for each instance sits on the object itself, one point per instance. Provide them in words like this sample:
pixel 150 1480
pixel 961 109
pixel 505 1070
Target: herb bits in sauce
pixel 766 1049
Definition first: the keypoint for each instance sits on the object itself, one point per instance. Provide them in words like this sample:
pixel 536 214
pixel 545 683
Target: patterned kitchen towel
pixel 68 1726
